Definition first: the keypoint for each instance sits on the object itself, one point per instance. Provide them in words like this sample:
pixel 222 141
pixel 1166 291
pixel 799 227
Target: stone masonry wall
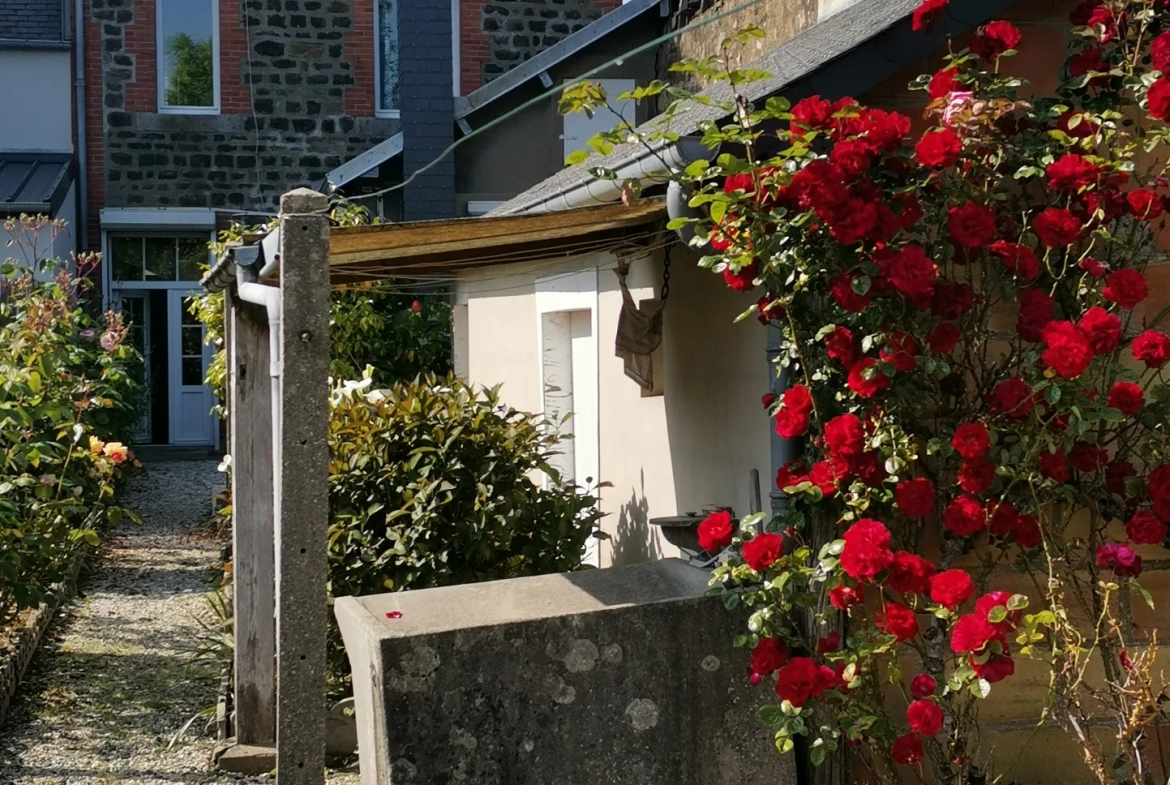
pixel 296 101
pixel 498 36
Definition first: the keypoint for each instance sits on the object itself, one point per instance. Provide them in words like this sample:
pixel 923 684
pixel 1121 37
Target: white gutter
pixel 269 297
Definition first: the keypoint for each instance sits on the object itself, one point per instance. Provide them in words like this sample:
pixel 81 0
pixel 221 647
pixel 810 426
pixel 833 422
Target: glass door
pixel 191 419
pixel 136 311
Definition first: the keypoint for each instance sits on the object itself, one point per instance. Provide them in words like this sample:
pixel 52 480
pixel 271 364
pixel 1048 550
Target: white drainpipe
pixel 269 297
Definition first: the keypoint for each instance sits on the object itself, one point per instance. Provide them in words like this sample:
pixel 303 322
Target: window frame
pixel 386 114
pixel 143 283
pixel 160 64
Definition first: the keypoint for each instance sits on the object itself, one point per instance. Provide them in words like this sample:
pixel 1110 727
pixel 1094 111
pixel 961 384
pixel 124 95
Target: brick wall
pixel 306 66
pixel 496 37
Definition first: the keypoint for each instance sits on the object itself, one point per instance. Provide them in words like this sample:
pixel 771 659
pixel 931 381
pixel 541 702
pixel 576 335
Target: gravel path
pixel 111 685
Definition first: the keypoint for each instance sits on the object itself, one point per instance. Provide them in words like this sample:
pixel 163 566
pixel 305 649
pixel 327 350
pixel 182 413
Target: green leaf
pixel 1017 602
pixel 1142 591
pixel 770 715
pixel 980 688
pixel 578 157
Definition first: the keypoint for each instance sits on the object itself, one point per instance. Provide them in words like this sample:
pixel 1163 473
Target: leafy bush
pixel 67 399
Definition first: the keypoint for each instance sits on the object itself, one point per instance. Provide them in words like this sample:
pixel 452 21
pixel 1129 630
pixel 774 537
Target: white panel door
pixel 580 127
pixel 586 447
pixel 190 402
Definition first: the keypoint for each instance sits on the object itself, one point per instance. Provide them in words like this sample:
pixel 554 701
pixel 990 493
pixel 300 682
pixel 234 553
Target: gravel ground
pixel 111 685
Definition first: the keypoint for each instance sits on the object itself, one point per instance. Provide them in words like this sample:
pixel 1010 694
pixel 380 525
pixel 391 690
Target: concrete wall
pixel 691 447
pixel 36 93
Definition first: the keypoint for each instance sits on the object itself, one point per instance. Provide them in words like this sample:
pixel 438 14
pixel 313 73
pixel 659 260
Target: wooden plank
pixel 253 569
pixel 302 489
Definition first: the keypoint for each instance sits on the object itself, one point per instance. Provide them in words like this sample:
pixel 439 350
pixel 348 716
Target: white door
pixel 580 127
pixel 190 402
pixel 136 311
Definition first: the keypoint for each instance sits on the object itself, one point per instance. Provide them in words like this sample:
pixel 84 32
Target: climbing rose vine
pixel 972 362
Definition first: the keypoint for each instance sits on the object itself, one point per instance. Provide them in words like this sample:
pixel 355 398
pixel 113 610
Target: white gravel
pixel 111 685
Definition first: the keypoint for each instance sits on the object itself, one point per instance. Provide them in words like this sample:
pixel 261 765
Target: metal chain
pixel 666 274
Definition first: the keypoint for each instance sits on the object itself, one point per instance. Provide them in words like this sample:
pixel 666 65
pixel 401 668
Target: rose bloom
pixel 716 531
pixel 767 399
pixel 829 643
pixel 867 549
pixel 1120 558
pixel 1151 348
pixel 951 300
pixel 996 669
pixel 965 516
pixel 1116 474
pixel 943 338
pixel 951 588
pixel 1145 528
pixel 813 112
pixel 769 656
pixel 976 476
pixel 1102 328
pixel 938 149
pixel 1078 125
pixel 1057 227
pixel 1127 288
pixel 1013 398
pixel 995 38
pixel 116 451
pixel 1020 259
pixel 802 679
pixel 1159 487
pixel 744 279
pixel 1092 266
pixel 926 13
pixel 1026 531
pixel 1003 518
pixel 845 597
pixel 842 290
pixel 997 599
pixel 915 498
pixel 944 82
pixel 1160 52
pixel 907 750
pixel 790 423
pixel 971 440
pixel 824 477
pixel 840 346
pixel 1036 309
pixel 1053 465
pixel 972 225
pixel 972 634
pixel 900 351
pixel 923 686
pixel 898 620
pixel 911 272
pixel 865 382
pixel 1144 204
pixel 924 717
pixel 1158 99
pixel 845 437
pixel 1127 398
pixel 762 551
pixel 1071 172
pixel 1087 457
pixel 1069 352
pixel 791 474
pixel 910 573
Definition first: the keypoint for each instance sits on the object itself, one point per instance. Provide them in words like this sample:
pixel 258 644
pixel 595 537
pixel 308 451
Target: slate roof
pixel 34 183
pixel 33 22
pixel 850 52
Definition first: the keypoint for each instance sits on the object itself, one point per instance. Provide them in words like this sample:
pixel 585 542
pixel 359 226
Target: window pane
pixel 388 54
pixel 188 63
pixel 188 318
pixel 192 258
pixel 192 371
pixel 160 259
pixel 127 253
pixel 192 341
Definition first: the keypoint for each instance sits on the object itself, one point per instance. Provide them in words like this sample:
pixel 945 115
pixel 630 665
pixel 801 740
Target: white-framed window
pixel 386 57
pixel 188 56
pixel 158 260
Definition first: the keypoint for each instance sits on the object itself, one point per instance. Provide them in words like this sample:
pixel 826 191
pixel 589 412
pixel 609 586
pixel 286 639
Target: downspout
pixel 82 142
pixel 269 297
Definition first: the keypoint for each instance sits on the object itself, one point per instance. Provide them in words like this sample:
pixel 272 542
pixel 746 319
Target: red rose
pixel 797 681
pixel 997 599
pixel 1013 398
pixel 790 474
pixel 768 310
pixel 744 280
pixel 1144 204
pixel 907 749
pixel 1159 487
pixel 715 532
pixel 1092 266
pixel 972 634
pixel 924 717
pixel 1144 528
pixel 762 551
pixel 1158 99
pixel 824 477
pixel 911 212
pixel 971 440
pixel 767 399
pixel 1003 518
pixel 951 300
pixel 943 337
pixel 995 38
pixel 1102 328
pixel 972 225
pixel 846 296
pixel 871 469
pixel 951 588
pixel 769 656
pixel 976 476
pixel 845 597
pixel 1036 309
pixel 1160 53
pixel 795 406
pixel 1071 172
pixel 944 83
pixel 1101 19
pixel 1090 60
pixel 1087 457
pixel 813 112
pixel 1020 259
pixel 965 516
pixel 923 686
pixel 900 351
pixel 1122 559
pixel 867 549
pixel 1127 288
pixel 1057 227
pixel 829 643
pixel 1069 352
pixel 1127 398
pixel 997 667
pixel 911 272
pixel 898 620
pixel 866 378
pixel 845 437
pixel 1116 473
pixel 926 13
pixel 1053 465
pixel 1079 125
pixel 915 498
pixel 910 573
pixel 852 156
pixel 938 149
pixel 841 347
pixel 1151 348
pixel 1026 531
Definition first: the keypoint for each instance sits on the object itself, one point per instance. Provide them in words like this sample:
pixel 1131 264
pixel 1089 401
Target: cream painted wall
pixel 691 447
pixel 37 99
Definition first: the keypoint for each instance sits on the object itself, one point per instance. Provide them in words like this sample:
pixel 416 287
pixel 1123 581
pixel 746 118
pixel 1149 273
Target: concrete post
pixel 302 489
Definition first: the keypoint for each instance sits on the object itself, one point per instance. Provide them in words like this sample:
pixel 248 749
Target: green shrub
pixel 67 400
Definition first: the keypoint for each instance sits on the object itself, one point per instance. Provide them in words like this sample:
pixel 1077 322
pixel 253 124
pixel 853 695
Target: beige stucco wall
pixel 690 447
